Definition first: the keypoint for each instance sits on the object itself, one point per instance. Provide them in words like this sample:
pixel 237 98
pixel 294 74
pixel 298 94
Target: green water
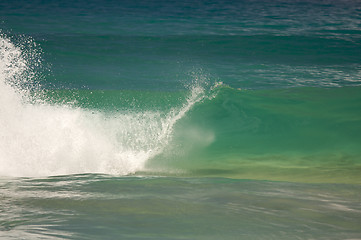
pixel 298 134
pixel 294 134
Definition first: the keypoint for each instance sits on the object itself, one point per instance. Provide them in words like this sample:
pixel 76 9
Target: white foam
pixel 42 139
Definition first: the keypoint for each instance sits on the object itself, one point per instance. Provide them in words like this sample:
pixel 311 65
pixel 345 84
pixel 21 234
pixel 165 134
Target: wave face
pixel 40 138
pixel 299 134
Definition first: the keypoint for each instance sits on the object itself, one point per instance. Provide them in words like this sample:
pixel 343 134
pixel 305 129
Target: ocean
pixel 180 119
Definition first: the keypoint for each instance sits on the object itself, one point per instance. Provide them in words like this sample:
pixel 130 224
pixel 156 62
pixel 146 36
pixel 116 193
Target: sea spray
pixel 42 139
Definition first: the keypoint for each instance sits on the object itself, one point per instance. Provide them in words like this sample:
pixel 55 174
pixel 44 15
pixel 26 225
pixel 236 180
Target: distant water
pixel 180 120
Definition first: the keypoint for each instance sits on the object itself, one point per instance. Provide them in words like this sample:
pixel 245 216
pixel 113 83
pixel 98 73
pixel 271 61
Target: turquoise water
pixel 180 120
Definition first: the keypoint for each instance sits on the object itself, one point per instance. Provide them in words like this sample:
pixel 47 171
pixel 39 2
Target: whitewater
pixel 42 139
